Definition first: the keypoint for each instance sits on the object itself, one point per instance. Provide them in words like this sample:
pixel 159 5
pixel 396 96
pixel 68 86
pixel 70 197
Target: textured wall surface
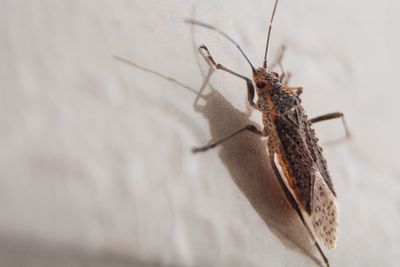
pixel 95 161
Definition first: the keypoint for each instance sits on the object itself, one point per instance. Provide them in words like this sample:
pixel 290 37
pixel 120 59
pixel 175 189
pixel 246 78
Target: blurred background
pixel 96 166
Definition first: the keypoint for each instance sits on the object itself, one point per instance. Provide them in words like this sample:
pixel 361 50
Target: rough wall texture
pixel 95 161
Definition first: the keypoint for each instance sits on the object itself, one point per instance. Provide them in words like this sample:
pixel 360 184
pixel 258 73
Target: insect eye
pixel 260 84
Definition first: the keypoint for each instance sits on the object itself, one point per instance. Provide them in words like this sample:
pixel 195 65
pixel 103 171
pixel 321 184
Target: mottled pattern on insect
pixel 295 154
pixel 300 157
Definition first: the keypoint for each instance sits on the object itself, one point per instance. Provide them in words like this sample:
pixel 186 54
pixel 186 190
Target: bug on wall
pixel 294 153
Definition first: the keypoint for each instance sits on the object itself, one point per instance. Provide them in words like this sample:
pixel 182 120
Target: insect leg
pixel 330 116
pixel 251 128
pixel 279 58
pixel 295 206
pixel 210 60
pixel 298 90
pixel 286 78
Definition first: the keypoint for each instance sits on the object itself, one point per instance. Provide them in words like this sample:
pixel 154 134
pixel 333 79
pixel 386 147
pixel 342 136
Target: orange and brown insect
pixel 295 155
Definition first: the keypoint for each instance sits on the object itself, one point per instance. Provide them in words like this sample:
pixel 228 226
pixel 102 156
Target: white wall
pixel 95 161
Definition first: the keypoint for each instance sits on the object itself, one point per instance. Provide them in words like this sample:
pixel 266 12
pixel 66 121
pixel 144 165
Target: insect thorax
pixel 272 95
pixel 277 99
pixel 282 100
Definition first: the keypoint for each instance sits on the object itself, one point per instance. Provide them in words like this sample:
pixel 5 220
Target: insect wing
pixel 298 145
pixel 324 215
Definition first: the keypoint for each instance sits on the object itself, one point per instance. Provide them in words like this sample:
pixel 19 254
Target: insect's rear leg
pixel 210 60
pixel 296 207
pixel 330 116
pixel 251 128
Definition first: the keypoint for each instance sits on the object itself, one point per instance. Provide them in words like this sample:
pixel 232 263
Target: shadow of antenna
pixel 133 64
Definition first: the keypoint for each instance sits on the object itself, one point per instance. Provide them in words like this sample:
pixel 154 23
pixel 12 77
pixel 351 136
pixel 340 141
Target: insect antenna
pixel 208 26
pixel 269 34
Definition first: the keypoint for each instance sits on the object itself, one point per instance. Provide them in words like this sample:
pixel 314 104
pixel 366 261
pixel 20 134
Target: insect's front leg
pixel 249 83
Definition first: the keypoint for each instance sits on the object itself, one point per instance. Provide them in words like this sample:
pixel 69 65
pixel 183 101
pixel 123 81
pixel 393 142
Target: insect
pixel 294 153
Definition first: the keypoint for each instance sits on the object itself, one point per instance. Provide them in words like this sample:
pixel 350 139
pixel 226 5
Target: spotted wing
pixel 306 168
pixel 324 213
pixel 298 164
pixel 301 151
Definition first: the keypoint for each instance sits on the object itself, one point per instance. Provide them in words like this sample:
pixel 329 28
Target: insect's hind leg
pixel 330 116
pixel 251 128
pixel 296 207
pixel 249 83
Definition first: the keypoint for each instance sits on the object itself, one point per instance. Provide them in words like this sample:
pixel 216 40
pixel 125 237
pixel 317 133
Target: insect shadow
pixel 246 158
